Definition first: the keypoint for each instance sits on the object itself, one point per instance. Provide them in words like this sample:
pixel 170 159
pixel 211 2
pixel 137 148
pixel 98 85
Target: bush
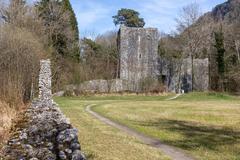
pixel 151 85
pixel 19 63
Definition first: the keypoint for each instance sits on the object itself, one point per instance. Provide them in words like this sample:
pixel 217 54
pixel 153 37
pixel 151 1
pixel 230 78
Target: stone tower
pixel 138 56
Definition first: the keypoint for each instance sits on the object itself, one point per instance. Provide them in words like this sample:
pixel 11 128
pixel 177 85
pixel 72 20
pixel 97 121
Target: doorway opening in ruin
pixel 162 79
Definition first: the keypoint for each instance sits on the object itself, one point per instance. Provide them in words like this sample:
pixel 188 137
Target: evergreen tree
pixel 59 18
pixel 129 18
pixel 219 45
pixel 73 20
pixel 74 25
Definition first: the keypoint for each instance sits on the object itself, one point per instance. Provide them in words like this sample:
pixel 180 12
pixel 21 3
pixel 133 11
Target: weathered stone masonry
pixel 138 55
pixel 177 74
pixel 43 132
pixel 139 60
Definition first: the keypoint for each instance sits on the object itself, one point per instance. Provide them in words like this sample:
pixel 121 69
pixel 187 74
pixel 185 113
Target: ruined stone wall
pixel 97 86
pixel 42 132
pixel 140 65
pixel 201 74
pixel 175 74
pixel 138 55
pixel 178 74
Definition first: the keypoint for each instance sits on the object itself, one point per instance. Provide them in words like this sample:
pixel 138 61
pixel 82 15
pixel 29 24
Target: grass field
pixel 206 125
pixel 100 141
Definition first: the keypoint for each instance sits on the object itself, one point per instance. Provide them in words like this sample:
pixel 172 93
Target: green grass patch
pixel 204 96
pixel 118 97
pixel 206 125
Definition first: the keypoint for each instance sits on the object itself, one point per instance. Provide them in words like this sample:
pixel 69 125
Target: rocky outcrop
pixel 228 11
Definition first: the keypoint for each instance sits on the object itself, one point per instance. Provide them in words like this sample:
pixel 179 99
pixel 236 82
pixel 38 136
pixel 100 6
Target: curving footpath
pixel 173 152
pixel 175 97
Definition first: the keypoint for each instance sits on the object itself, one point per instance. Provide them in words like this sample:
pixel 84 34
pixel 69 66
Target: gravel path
pixel 173 152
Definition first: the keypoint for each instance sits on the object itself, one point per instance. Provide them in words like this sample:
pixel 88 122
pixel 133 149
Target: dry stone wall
pixel 45 87
pixel 97 86
pixel 42 131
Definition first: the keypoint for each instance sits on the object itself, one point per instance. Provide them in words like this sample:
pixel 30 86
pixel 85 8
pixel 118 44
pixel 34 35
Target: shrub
pixel 20 55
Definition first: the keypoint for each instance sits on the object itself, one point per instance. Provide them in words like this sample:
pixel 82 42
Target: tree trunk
pixel 237 44
pixel 192 72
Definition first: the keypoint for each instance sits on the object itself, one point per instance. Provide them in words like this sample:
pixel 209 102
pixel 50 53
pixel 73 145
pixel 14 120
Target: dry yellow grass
pixel 7 114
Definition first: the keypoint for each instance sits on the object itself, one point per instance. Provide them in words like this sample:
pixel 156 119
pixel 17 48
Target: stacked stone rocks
pixel 43 132
pixel 45 85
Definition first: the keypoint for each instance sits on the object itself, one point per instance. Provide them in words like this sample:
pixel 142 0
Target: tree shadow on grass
pixel 195 135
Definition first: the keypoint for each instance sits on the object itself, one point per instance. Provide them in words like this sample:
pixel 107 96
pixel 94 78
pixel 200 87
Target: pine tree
pixel 129 18
pixel 73 20
pixel 74 25
pixel 219 45
pixel 53 13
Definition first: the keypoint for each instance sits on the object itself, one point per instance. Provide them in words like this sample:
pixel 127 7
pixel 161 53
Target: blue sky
pixel 95 16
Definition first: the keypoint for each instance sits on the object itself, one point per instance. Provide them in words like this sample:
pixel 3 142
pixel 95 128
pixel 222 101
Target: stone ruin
pixel 42 132
pixel 176 75
pixel 138 55
pixel 96 86
pixel 140 62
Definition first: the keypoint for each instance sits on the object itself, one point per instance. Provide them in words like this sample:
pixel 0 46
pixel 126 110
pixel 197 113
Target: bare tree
pixel 20 50
pixel 188 16
pixel 191 32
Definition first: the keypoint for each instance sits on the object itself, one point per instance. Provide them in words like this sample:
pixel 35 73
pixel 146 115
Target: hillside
pixel 199 40
pixel 228 11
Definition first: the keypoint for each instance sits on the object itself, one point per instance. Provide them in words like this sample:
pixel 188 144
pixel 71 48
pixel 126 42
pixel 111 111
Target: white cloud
pixel 162 13
pixel 95 15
